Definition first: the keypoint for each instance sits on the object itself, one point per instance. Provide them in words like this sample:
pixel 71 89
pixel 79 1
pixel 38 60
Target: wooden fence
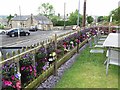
pixel 25 61
pixel 20 54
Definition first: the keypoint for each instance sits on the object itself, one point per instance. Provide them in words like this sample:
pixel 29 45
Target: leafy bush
pixel 1 26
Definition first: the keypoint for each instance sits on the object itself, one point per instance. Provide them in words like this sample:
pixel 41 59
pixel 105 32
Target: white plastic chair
pixel 113 58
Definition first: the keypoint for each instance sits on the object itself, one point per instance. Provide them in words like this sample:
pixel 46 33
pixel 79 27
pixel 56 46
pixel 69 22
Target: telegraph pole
pixel 78 21
pixel 84 14
pixel 19 22
pixel 64 14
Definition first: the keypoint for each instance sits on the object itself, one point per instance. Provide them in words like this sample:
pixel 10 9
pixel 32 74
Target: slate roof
pixel 38 18
pixel 22 18
pixel 41 19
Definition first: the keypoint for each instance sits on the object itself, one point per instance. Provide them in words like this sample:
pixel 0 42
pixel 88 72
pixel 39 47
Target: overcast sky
pixel 94 7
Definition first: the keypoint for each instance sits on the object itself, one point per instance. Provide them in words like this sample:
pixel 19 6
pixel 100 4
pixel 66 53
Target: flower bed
pixel 10 77
pixel 27 69
pixel 32 66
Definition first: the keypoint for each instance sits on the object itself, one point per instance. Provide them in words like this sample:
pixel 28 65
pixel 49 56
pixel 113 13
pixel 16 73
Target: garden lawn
pixel 89 71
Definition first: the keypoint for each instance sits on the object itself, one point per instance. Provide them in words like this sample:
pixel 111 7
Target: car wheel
pixel 3 32
pixel 13 35
pixel 27 34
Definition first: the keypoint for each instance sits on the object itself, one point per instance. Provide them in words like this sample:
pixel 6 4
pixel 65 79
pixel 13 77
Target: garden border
pixel 35 83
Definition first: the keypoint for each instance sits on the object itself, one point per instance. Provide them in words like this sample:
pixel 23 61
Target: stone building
pixel 26 21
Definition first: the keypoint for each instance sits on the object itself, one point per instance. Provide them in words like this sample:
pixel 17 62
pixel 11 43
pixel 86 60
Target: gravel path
pixel 52 80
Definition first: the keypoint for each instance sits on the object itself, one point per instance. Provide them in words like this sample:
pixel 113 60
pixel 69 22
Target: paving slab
pixel 100 42
pixel 96 51
pixel 98 46
pixel 102 39
pixel 104 36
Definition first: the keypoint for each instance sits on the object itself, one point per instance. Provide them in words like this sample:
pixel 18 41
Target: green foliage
pixel 61 23
pixel 106 18
pixel 9 18
pixel 116 14
pixel 46 9
pixel 1 26
pixel 74 17
pixel 100 19
pixel 55 19
pixel 89 19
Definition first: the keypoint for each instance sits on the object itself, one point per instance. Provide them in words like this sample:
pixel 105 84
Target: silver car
pixel 2 31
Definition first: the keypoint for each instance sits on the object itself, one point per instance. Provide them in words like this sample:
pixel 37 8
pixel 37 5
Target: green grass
pixel 89 72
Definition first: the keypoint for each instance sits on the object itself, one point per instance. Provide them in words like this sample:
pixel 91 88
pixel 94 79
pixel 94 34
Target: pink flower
pixel 18 85
pixel 26 68
pixel 12 77
pixel 13 86
pixel 35 74
pixel 64 46
pixel 72 46
pixel 30 68
pixel 7 83
pixel 22 68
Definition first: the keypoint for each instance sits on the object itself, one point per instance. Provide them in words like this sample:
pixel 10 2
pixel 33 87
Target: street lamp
pixel 86 22
pixel 110 22
pixel 64 15
pixel 18 30
pixel 19 24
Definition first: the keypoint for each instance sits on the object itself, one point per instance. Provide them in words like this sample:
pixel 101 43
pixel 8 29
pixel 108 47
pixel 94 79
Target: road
pixel 10 44
pixel 34 37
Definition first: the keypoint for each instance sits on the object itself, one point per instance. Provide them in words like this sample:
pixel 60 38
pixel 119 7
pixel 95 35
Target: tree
pixel 46 9
pixel 55 19
pixel 100 18
pixel 89 19
pixel 74 17
pixel 106 18
pixel 9 18
pixel 116 14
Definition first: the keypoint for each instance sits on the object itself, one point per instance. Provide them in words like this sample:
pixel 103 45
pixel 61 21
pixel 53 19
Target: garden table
pixel 112 40
pixel 112 43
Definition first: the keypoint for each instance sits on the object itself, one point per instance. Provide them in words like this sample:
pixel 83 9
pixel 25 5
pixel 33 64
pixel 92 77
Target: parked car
pixel 33 28
pixel 10 30
pixel 75 27
pixel 15 32
pixel 2 31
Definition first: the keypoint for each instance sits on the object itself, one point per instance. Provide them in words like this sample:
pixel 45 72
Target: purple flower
pixel 36 64
pixel 44 67
pixel 18 75
pixel 42 49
